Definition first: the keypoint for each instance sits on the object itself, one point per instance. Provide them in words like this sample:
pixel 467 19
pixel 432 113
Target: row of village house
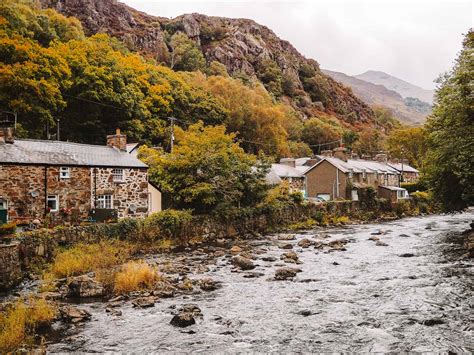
pixel 40 178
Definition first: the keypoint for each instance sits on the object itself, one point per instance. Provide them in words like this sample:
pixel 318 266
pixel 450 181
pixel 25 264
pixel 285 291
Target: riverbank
pixel 196 272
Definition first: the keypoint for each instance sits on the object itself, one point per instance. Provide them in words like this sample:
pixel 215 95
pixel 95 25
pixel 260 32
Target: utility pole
pixel 171 119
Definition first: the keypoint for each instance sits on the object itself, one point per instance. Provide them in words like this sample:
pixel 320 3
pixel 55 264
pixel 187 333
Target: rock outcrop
pixel 242 45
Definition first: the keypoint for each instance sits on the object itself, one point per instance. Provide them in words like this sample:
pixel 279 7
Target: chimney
pixel 117 140
pixel 311 161
pixel 354 156
pixel 288 161
pixel 326 153
pixel 382 158
pixel 7 132
pixel 340 153
pixel 366 157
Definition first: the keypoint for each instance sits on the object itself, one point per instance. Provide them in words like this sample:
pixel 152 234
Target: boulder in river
pixel 286 237
pixel 289 257
pixel 144 302
pixel 85 286
pixel 183 319
pixel 374 238
pixel 406 255
pixel 305 243
pixel 73 314
pixel 269 258
pixel 243 263
pixel 286 273
pixel 208 284
pixel 286 246
pixel 381 244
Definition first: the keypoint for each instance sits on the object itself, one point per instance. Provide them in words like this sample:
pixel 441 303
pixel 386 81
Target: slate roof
pixel 405 168
pixel 356 165
pixel 41 152
pixel 285 171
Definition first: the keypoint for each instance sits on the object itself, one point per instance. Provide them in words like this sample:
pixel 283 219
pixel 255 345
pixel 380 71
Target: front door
pixel 3 211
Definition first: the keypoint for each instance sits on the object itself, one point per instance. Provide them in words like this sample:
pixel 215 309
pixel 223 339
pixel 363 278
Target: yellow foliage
pixel 20 320
pixel 84 258
pixel 135 275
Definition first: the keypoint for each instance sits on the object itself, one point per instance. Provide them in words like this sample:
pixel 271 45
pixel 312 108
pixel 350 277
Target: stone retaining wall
pixel 10 269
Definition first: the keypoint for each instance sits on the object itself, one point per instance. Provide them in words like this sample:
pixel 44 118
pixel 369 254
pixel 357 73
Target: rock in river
pixel 183 319
pixel 208 284
pixel 406 255
pixel 289 257
pixel 286 246
pixel 286 273
pixel 85 286
pixel 73 314
pixel 243 263
pixel 305 243
pixel 381 244
pixel 144 302
pixel 235 249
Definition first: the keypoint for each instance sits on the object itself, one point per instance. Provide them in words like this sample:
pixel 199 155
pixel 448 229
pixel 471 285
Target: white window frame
pixel 55 199
pixel 325 197
pixel 364 174
pixel 64 172
pixel 351 173
pixel 104 200
pixel 3 201
pixel 118 175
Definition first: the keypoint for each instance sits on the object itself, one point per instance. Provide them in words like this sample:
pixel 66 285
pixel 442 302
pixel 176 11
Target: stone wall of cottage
pixel 24 188
pixel 130 196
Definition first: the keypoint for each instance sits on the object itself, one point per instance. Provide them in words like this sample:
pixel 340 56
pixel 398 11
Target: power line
pixel 96 102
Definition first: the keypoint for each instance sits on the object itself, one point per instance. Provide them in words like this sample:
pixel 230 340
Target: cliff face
pixel 242 45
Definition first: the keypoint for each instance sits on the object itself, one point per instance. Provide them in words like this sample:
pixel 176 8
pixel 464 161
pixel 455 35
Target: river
pixel 366 298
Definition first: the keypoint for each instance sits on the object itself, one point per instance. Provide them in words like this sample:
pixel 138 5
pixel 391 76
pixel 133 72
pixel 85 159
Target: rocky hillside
pixel 409 110
pixel 243 46
pixel 405 89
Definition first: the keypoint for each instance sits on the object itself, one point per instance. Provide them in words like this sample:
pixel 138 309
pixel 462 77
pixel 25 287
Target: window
pixel 118 175
pixel 104 201
pixel 385 178
pixel 3 204
pixel 402 194
pixel 364 174
pixel 323 197
pixel 64 172
pixel 351 173
pixel 53 203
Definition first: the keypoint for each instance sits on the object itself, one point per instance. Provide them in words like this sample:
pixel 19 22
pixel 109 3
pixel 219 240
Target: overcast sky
pixel 414 40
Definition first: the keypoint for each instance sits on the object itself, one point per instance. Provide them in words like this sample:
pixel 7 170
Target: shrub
pixel 168 223
pixel 20 320
pixel 321 217
pixel 135 275
pixel 84 258
pixel 340 220
pixel 307 224
pixel 402 208
pixel 7 229
pixel 414 186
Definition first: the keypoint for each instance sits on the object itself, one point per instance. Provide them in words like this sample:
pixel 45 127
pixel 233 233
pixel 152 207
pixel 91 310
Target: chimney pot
pixel 7 132
pixel 326 153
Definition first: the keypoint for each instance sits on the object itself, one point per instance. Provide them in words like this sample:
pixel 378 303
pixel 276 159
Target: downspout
pixel 95 188
pixel 45 190
pixel 337 182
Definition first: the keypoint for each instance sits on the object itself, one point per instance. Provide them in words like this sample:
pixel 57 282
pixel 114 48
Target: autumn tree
pixel 318 131
pixel 451 133
pixel 207 170
pixel 409 143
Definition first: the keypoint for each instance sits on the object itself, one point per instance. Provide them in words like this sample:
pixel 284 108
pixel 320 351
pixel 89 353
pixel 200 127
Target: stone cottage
pixel 64 181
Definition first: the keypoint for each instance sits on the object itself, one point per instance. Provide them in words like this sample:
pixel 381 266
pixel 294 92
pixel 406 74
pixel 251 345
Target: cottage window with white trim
pixel 351 173
pixel 118 174
pixel 364 174
pixel 104 201
pixel 53 203
pixel 3 204
pixel 64 172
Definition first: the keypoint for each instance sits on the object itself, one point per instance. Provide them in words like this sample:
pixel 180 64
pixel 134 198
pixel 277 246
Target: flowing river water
pixel 413 294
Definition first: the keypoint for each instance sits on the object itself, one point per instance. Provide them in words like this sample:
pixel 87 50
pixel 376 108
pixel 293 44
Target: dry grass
pixel 84 258
pixel 135 275
pixel 20 320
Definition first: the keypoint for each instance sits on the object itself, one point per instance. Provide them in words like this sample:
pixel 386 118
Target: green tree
pixel 318 131
pixel 207 170
pixel 451 133
pixel 185 53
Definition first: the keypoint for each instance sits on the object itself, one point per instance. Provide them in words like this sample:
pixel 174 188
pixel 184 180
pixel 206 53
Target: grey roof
pixel 357 165
pixel 403 167
pixel 393 188
pixel 272 179
pixel 285 171
pixel 28 151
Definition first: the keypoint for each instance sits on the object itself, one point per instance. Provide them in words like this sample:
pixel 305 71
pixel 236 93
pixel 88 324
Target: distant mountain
pixel 409 110
pixel 393 83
